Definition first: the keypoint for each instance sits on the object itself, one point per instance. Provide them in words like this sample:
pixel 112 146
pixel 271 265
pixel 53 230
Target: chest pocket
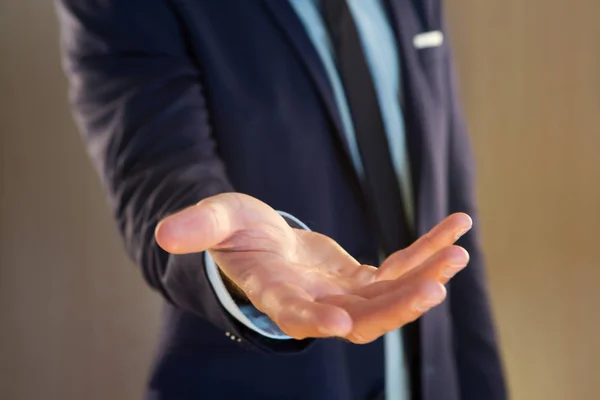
pixel 432 61
pixel 431 45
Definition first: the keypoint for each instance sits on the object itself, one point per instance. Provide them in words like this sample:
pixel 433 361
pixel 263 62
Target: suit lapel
pixel 287 20
pixel 419 104
pixel 424 118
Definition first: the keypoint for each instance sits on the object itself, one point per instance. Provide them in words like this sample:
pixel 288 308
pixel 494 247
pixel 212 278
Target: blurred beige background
pixel 77 322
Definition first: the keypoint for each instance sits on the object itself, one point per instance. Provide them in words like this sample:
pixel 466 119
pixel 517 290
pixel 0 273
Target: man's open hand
pixel 304 281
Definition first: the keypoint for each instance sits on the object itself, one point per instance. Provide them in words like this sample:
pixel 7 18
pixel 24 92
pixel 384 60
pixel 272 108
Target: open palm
pixel 307 283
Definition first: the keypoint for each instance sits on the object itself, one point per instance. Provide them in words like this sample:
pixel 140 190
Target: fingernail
pixel 464 229
pixel 433 294
pixel 458 260
pixel 451 270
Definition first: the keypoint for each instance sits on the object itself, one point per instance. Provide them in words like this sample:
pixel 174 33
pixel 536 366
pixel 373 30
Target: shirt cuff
pixel 247 314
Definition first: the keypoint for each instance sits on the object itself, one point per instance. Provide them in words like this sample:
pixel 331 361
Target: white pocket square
pixel 428 39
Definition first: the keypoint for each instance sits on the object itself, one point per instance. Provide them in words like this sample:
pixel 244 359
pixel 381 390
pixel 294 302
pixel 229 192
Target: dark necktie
pixel 381 185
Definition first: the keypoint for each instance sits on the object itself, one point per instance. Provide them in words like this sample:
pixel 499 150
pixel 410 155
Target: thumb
pixel 200 227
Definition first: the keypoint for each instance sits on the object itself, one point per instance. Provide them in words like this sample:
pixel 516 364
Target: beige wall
pixel 531 85
pixel 77 322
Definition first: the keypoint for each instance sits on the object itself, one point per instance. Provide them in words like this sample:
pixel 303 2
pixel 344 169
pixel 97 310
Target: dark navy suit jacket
pixel 183 99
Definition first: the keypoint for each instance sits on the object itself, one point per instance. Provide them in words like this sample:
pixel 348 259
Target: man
pixel 343 117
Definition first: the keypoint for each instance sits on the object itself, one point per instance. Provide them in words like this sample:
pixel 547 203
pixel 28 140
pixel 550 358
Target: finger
pixel 442 235
pixel 300 316
pixel 373 318
pixel 200 227
pixel 440 267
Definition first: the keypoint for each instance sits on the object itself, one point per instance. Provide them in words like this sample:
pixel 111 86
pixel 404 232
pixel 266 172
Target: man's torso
pixel 277 129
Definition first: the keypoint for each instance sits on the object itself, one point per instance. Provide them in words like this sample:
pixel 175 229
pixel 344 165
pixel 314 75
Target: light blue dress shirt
pixel 379 44
pixel 380 49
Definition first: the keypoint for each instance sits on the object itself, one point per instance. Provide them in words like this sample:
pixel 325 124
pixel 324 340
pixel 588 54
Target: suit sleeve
pixel 480 369
pixel 139 101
